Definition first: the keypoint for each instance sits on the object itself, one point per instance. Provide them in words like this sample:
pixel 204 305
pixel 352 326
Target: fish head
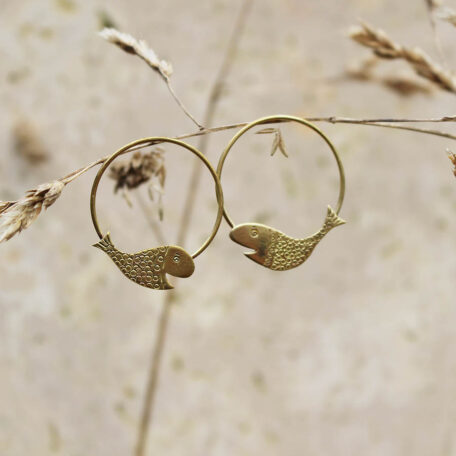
pixel 178 262
pixel 253 236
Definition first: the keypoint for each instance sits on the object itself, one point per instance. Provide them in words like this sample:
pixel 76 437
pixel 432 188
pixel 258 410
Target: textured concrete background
pixel 351 354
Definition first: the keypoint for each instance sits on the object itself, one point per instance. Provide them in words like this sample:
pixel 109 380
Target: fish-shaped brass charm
pixel 149 267
pixel 275 250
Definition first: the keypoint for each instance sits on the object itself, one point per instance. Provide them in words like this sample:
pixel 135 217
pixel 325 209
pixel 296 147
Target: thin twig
pixel 141 49
pixel 6 208
pixel 384 123
pixel 400 127
pixel 211 106
pixel 214 97
pixel 376 122
pixel 181 104
pixel 155 227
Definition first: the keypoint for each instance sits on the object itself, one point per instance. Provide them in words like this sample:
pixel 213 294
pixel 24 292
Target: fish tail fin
pixel 105 244
pixel 332 219
pixel 167 286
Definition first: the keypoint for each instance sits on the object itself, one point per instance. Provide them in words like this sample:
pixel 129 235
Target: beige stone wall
pixel 350 354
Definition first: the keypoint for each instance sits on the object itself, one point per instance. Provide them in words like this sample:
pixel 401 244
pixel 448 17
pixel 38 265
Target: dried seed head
pixel 385 48
pixel 138 169
pixel 278 142
pixel 375 39
pixel 137 47
pixel 4 205
pixel 16 216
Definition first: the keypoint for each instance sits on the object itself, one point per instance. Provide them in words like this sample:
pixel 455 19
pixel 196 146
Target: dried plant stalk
pixel 140 48
pixel 16 216
pixel 162 331
pixel 7 218
pixel 385 48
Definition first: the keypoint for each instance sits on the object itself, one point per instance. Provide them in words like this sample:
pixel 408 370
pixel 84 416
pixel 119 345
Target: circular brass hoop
pixel 151 141
pixel 284 118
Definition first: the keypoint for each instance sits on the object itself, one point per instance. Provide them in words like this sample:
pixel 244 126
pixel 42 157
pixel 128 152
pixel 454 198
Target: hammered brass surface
pixel 274 249
pixel 148 268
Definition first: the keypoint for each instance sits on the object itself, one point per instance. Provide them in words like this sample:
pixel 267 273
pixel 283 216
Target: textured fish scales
pixel 145 268
pixel 286 253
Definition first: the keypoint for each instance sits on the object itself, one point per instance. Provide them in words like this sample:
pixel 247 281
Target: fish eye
pixel 176 258
pixel 254 232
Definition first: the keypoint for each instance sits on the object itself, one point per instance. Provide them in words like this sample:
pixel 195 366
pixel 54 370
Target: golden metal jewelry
pixel 272 248
pixel 149 267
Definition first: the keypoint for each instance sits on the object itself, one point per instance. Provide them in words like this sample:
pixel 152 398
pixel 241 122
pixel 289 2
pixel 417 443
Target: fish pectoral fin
pixel 166 284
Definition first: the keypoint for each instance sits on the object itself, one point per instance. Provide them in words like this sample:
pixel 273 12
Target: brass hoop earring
pixel 272 248
pixel 148 268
